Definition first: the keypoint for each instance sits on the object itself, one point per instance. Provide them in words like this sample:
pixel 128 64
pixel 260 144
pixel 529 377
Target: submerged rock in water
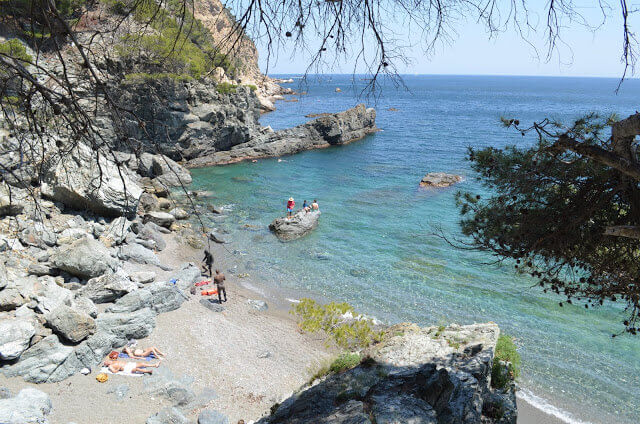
pixel 299 225
pixel 439 180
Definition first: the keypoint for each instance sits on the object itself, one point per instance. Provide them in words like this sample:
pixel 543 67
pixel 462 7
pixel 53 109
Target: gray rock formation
pixel 139 254
pixel 202 120
pixel 127 325
pixel 415 376
pixel 331 129
pixel 29 406
pixel 299 225
pixel 85 258
pixel 15 336
pixel 163 219
pixel 108 287
pixel 116 231
pixel 38 362
pixel 439 180
pixel 81 182
pixel 72 325
pixel 149 232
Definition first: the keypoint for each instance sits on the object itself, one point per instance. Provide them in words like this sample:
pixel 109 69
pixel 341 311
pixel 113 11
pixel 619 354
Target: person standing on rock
pixel 208 262
pixel 305 206
pixel 219 280
pixel 290 205
pixel 315 205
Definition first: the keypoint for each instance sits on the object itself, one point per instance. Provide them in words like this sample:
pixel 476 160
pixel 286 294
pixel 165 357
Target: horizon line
pixel 301 74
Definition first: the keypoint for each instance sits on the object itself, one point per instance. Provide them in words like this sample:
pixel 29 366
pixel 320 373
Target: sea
pixel 379 244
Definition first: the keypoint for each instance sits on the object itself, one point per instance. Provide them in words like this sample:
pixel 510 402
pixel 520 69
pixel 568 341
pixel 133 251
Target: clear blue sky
pixel 472 52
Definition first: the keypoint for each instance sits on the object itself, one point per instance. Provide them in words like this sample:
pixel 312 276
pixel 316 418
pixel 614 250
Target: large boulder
pixel 160 297
pixel 15 336
pixel 72 325
pixel 299 225
pixel 108 287
pixel 166 296
pixel 87 354
pixel 29 406
pixel 49 295
pixel 10 299
pixel 82 182
pixel 116 231
pixel 38 362
pixel 127 325
pixel 439 180
pixel 149 232
pixel 164 170
pixel 85 258
pixel 139 254
pixel 162 219
pixel 10 203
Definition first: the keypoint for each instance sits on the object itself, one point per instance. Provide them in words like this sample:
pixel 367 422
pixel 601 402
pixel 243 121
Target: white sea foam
pixel 544 405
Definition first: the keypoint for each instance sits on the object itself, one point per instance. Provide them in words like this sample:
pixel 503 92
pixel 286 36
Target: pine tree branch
pixel 629 231
pixel 606 157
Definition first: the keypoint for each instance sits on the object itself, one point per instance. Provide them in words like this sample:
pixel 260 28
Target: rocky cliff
pixel 418 375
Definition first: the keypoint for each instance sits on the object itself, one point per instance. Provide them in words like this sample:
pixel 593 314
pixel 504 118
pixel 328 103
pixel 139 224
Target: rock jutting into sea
pixel 418 375
pixel 439 180
pixel 327 130
pixel 299 225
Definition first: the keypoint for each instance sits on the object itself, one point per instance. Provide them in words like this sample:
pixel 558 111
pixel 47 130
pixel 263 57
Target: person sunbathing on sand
pixel 142 353
pixel 129 367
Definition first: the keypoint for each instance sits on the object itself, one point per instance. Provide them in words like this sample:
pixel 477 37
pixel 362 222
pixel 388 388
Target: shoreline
pixel 528 412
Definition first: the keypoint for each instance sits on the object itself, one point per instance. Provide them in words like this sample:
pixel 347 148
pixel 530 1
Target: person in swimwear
pixel 315 205
pixel 142 353
pixel 130 367
pixel 290 205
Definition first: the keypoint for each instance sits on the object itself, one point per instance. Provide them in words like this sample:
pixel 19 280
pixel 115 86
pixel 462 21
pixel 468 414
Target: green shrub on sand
pixel 332 319
pixel 505 351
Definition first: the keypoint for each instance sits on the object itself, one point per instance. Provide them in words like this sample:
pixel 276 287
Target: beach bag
pixel 114 354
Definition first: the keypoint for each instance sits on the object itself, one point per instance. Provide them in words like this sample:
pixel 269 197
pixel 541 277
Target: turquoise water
pixel 375 246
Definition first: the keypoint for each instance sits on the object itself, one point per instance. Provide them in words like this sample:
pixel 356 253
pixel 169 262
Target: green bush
pixel 15 49
pixel 252 87
pixel 226 88
pixel 344 362
pixel 329 318
pixel 182 44
pixel 505 351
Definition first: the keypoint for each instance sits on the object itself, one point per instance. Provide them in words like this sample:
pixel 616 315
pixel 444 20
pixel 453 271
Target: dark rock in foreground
pixel 327 130
pixel 439 180
pixel 299 225
pixel 426 376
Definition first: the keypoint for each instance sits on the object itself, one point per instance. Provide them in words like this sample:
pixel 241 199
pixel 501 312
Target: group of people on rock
pixel 291 204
